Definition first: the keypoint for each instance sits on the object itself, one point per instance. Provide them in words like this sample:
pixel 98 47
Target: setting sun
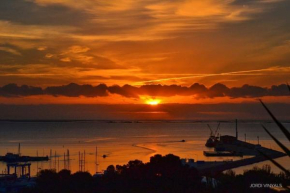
pixel 153 101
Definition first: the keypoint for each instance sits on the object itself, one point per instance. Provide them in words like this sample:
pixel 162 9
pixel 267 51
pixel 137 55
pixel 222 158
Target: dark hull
pixel 23 159
pixel 211 142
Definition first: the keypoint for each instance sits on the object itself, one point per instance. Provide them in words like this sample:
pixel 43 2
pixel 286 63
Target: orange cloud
pixel 144 42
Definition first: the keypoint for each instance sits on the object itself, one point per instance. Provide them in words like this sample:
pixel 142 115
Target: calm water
pixel 122 142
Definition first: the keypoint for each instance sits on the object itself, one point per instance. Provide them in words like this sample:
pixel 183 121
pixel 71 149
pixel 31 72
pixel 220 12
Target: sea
pixel 94 145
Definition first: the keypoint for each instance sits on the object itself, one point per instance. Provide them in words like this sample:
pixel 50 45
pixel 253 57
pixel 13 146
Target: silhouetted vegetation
pixel 163 174
pixel 285 132
pixel 230 182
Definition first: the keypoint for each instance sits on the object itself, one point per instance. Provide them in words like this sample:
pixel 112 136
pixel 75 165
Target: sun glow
pixel 153 101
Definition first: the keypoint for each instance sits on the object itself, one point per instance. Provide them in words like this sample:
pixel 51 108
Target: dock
pixel 217 167
pixel 214 167
pixel 231 146
pixel 15 180
pixel 222 154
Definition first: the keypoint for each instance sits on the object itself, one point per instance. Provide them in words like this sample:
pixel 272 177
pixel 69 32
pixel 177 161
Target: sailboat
pixel 97 174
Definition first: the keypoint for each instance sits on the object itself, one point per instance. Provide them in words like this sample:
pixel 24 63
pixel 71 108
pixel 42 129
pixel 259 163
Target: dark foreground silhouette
pixel 163 174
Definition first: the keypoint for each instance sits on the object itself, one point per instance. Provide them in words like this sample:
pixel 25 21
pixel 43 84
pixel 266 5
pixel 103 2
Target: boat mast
pixel 19 149
pixel 96 159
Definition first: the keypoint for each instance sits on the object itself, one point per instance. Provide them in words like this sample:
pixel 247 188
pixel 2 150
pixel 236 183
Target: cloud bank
pixel 196 90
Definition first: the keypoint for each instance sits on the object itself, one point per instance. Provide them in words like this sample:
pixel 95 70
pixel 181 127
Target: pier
pixel 214 167
pixel 231 146
pixel 222 154
pixel 220 166
pixel 25 169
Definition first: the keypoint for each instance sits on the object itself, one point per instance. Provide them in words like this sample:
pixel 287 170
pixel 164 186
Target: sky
pixel 144 52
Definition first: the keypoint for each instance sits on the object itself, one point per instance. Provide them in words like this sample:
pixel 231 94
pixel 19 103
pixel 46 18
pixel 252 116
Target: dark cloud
pixel 279 90
pixel 163 90
pixel 29 13
pixel 249 91
pixel 102 90
pixel 218 90
pixel 75 90
pixel 12 90
pixel 199 88
pixel 126 91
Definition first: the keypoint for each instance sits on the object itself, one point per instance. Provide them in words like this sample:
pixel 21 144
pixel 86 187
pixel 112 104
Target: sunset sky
pixel 144 52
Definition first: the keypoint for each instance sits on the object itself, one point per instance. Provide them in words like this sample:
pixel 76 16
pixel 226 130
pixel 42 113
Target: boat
pixel 213 138
pixel 11 157
pixel 97 174
pixel 211 142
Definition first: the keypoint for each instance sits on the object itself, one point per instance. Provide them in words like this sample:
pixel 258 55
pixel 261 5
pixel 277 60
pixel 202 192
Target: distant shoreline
pixel 138 121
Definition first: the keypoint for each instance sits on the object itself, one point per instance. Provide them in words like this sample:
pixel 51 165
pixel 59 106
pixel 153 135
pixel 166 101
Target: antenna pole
pixel 84 160
pixel 79 161
pixel 82 155
pixel 96 159
pixel 237 129
pixel 55 160
pixel 50 156
pixel 58 163
pixel 64 164
pixel 68 160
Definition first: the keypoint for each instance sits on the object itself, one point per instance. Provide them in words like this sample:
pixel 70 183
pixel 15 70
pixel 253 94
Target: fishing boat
pixel 213 138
